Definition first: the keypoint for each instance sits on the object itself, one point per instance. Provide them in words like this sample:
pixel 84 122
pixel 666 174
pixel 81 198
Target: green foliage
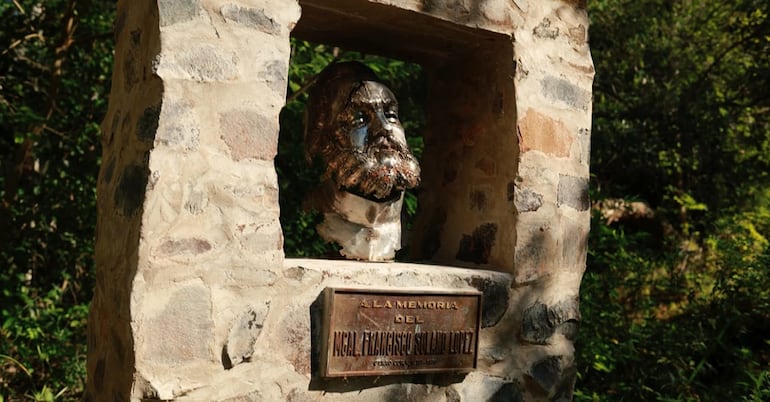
pixel 681 121
pixel 56 57
pixel 681 107
pixel 686 325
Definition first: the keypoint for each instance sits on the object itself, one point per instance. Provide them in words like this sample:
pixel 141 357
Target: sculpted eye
pixel 391 115
pixel 360 118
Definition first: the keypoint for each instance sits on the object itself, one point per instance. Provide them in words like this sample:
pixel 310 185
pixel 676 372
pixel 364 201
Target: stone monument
pixel 194 300
pixel 352 125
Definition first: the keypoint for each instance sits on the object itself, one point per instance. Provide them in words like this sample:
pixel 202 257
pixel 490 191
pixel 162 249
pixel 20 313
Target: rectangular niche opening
pixel 469 160
pixel 296 178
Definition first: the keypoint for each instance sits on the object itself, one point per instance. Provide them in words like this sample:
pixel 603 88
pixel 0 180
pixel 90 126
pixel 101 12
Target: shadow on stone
pixel 509 392
pixel 226 363
pixel 495 300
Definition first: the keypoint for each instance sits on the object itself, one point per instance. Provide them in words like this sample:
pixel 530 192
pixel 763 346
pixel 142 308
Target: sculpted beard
pixel 380 171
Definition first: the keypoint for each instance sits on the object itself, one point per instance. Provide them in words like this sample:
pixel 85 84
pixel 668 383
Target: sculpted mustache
pixel 363 173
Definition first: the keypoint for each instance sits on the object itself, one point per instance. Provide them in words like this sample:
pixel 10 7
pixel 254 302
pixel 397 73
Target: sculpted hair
pixel 336 81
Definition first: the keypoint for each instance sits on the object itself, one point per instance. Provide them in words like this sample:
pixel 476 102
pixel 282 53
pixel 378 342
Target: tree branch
pixel 24 153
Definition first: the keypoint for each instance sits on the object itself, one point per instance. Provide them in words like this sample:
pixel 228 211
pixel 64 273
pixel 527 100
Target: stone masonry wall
pixel 466 206
pixel 188 195
pixel 194 300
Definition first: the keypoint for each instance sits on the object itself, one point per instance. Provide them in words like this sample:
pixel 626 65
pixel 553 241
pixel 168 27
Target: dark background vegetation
pixel 675 299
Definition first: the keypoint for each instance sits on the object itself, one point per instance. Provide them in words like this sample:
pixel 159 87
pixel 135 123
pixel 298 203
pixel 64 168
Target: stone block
pixel 527 200
pixel 478 200
pixel 178 127
pixel 243 334
pixel 537 244
pixel 575 235
pixel 495 300
pixel 541 321
pixel 261 236
pixel 274 73
pixel 176 11
pixel 546 372
pixel 487 165
pixel 208 62
pixel 566 93
pixel 544 30
pixel 541 133
pixel 584 138
pixel 250 17
pixel 489 389
pixel 552 377
pixel 129 193
pixel 183 329
pixel 573 192
pixel 497 12
pixel 249 134
pixel 193 245
pixel 148 122
pixel 508 392
pixel 477 247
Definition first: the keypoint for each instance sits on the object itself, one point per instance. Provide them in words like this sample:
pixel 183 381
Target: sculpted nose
pixel 380 129
pixel 381 125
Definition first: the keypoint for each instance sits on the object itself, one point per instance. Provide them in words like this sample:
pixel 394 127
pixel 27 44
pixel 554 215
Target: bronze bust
pixel 352 126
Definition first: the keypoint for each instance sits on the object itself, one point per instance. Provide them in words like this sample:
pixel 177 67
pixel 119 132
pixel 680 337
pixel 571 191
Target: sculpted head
pixel 352 125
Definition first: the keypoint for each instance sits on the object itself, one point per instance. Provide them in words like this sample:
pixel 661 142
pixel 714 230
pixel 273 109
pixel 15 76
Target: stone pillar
pixel 506 171
pixel 553 78
pixel 188 196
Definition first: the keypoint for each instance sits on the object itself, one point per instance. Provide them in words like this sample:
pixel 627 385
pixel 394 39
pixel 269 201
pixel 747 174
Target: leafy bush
pixel 54 69
pixel 687 322
pixel 680 122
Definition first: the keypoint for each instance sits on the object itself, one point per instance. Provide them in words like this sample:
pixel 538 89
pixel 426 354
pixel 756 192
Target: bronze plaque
pixel 386 332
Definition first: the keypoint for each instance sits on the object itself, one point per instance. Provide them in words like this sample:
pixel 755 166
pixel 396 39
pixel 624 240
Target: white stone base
pixel 366 230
